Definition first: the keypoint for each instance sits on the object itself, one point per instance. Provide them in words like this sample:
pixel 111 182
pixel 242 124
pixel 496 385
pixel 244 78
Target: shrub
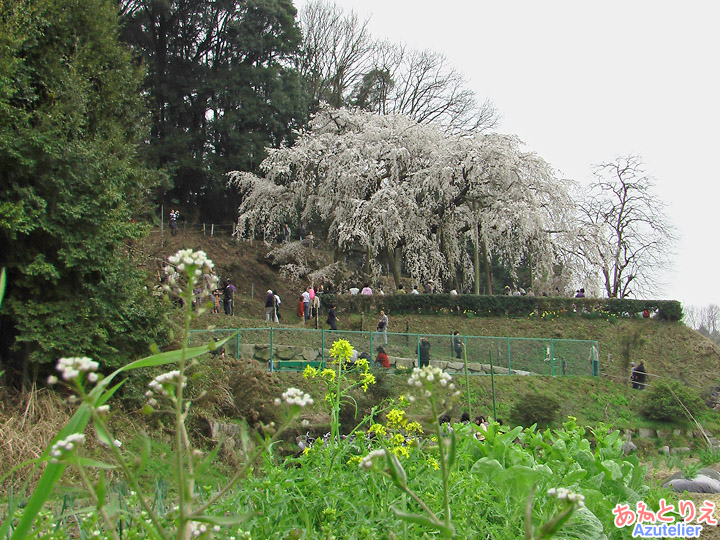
pixel 535 408
pixel 660 404
pixel 472 305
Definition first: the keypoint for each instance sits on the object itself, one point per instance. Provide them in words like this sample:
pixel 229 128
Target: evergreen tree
pixel 221 87
pixel 71 120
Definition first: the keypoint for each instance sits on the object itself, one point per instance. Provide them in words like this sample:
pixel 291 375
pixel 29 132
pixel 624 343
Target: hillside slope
pixel 669 349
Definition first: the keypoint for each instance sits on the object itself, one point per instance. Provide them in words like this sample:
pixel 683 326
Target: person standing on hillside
pixel 332 319
pixel 424 352
pixel 382 325
pixel 641 376
pixel 228 294
pixel 174 215
pixel 457 344
pixel 277 307
pixel 306 303
pixel 270 312
pixel 286 233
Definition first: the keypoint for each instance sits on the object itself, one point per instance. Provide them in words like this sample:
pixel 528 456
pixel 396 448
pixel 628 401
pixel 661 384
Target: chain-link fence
pixel 293 348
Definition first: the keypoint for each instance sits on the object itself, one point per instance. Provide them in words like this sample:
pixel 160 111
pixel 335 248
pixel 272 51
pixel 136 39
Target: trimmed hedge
pixel 501 305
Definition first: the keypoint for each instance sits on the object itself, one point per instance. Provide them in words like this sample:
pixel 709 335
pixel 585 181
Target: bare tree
pixel 706 319
pixel 336 51
pixel 344 66
pixel 625 234
pixel 428 89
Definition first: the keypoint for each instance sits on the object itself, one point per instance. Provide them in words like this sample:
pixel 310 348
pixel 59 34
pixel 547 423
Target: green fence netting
pixel 293 348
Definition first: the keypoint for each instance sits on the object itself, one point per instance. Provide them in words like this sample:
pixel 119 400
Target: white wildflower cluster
pixel 368 461
pixel 198 529
pixel 71 368
pixel 65 445
pixel 162 385
pixel 187 259
pixel 424 377
pixel 566 494
pixel 294 396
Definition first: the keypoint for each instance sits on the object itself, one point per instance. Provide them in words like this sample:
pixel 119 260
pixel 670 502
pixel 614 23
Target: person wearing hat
pixel 270 307
pixel 429 287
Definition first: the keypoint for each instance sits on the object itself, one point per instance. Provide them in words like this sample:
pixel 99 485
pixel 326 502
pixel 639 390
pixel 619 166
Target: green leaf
pixel 453 450
pixel 3 283
pixel 101 489
pixel 88 462
pixel 102 434
pixel 397 473
pixel 225 520
pixel 169 357
pixel 425 521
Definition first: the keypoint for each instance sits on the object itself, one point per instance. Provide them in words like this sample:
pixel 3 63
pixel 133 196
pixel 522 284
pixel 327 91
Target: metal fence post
pixel 417 349
pixel 272 362
pixel 467 376
pixel 322 348
pixel 237 343
pixel 492 382
pixel 509 355
pixel 552 358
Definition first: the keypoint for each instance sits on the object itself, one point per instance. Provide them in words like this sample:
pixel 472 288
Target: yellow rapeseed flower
pixel 398 438
pixel 401 451
pixel 341 350
pixel 354 460
pixel 378 429
pixel 432 462
pixel 328 374
pixel 367 380
pixel 396 418
pixel 414 427
pixel 310 372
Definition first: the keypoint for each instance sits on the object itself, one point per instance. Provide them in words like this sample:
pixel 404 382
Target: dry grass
pixel 28 422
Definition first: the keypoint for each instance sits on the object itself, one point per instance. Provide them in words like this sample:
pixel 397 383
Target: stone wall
pixel 261 353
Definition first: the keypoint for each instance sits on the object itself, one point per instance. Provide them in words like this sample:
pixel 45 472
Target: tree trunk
pixel 393 263
pixel 488 272
pixel 476 262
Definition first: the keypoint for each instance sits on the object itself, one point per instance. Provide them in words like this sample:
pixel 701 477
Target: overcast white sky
pixel 582 83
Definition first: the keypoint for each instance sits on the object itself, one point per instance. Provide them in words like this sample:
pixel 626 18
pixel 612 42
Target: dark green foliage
pixel 535 408
pixel 514 306
pixel 71 118
pixel 221 89
pixel 660 404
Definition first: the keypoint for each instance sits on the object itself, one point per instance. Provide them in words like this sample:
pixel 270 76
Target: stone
pixel 665 450
pixel 286 353
pixel 310 355
pixel 663 433
pixel 701 483
pixel 680 450
pixel 218 429
pixel 246 351
pixel 456 366
pixel 628 447
pixel 677 432
pixel 646 433
pixel 405 363
pixel 262 353
pixel 442 364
